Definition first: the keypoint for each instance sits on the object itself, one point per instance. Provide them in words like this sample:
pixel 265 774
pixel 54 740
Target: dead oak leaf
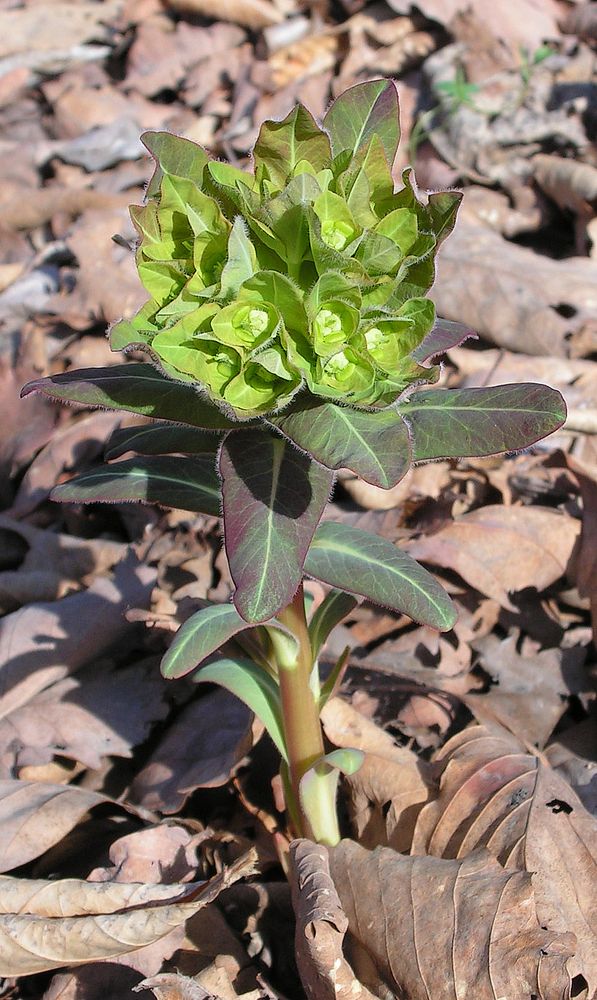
pixel 46 925
pixel 499 550
pixel 496 795
pixel 514 297
pixel 200 749
pixel 35 815
pixel 423 928
pixel 530 689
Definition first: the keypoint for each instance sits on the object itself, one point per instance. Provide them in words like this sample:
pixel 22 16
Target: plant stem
pixel 302 729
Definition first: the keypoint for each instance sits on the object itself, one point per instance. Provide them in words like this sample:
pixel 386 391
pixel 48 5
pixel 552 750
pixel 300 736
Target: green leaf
pixel 137 388
pixel 200 636
pixel 365 564
pixel 374 445
pixel 465 423
pixel 161 439
pixel 282 145
pixel 241 262
pixel 361 112
pixel 336 605
pixel 280 291
pixel 254 687
pixel 173 155
pixel 184 483
pixel 319 784
pixel 274 497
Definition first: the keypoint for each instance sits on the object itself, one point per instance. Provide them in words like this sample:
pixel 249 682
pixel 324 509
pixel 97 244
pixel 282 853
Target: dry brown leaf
pixel 52 24
pixel 573 754
pixel 494 794
pixel 529 23
pixel 27 208
pixel 107 283
pixel 530 689
pixel 571 184
pixel 514 297
pixel 254 14
pixel 172 986
pixel 500 550
pixel 321 925
pixel 586 568
pixel 200 750
pixel 45 925
pixel 42 643
pixel 34 816
pixel 71 446
pixel 86 718
pixel 422 928
pixel 581 20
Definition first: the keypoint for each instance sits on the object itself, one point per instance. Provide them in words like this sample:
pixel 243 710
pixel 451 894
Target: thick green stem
pixel 302 728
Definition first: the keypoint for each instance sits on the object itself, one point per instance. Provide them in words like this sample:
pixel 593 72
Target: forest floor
pixel 483 737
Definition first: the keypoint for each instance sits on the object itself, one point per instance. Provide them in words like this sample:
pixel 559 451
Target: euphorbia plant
pixel 286 328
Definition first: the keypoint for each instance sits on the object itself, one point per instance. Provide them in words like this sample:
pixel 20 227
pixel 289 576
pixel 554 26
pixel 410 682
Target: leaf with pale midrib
pixel 183 483
pixel 374 445
pixel 464 423
pixel 365 564
pixel 273 499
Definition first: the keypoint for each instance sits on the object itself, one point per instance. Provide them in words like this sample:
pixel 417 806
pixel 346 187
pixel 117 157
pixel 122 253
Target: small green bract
pixel 308 274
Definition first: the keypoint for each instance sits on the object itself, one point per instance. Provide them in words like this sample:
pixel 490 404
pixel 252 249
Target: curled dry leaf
pixel 496 795
pixel 423 928
pixel 45 925
pixel 321 925
pixel 500 550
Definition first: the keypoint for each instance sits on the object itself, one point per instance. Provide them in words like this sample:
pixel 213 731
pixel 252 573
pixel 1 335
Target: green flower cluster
pixel 309 273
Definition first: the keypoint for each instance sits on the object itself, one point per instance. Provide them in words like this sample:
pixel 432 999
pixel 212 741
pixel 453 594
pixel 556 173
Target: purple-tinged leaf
pixel 443 207
pixel 371 566
pixel 200 636
pixel 184 483
pixel 443 337
pixel 274 497
pixel 361 112
pixel 374 445
pixel 466 423
pixel 162 439
pixel 282 145
pixel 138 388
